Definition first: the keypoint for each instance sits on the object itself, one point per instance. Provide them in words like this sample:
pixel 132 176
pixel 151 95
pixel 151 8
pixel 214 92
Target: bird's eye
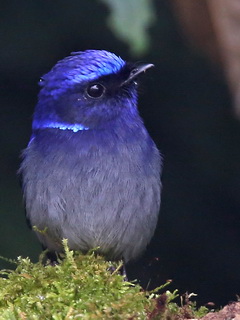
pixel 95 90
pixel 41 82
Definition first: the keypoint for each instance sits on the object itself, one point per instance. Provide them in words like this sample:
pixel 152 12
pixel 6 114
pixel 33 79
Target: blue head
pixel 87 90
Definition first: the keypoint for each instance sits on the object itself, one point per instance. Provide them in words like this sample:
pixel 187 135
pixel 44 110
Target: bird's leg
pixel 121 269
pixel 124 272
pixel 50 256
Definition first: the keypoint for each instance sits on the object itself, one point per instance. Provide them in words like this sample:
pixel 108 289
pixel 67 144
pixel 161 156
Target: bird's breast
pixel 84 189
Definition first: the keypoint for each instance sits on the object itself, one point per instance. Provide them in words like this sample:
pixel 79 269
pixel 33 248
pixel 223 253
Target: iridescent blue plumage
pixel 75 127
pixel 76 68
pixel 70 75
pixel 91 172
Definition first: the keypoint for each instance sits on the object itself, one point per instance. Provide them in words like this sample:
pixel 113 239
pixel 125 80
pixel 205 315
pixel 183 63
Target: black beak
pixel 136 71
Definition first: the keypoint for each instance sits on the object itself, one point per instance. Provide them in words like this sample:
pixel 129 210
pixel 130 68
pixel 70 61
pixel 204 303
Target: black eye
pixel 41 82
pixel 95 90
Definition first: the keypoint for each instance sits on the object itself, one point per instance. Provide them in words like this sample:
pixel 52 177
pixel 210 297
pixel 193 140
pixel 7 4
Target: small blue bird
pixel 91 172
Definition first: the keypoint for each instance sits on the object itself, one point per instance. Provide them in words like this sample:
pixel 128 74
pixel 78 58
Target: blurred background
pixel 189 103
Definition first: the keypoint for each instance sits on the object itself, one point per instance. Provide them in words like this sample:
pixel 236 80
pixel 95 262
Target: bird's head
pixel 87 90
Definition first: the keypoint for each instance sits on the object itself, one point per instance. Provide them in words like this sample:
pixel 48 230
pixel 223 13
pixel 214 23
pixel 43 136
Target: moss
pixel 79 287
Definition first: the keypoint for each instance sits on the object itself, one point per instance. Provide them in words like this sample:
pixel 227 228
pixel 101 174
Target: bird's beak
pixel 136 71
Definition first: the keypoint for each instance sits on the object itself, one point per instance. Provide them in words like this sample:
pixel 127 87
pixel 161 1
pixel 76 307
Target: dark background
pixel 187 109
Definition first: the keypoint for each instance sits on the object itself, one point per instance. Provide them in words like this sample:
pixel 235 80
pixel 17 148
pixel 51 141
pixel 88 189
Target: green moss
pixel 79 287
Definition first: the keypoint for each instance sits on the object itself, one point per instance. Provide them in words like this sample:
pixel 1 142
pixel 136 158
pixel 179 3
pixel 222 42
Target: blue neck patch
pixel 75 127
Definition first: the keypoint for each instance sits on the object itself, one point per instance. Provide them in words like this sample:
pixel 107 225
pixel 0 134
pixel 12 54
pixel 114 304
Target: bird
pixel 91 173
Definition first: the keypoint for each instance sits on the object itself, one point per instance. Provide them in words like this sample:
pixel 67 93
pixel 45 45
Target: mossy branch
pixel 79 287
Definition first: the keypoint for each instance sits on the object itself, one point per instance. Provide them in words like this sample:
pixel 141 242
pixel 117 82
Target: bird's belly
pixel 114 207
